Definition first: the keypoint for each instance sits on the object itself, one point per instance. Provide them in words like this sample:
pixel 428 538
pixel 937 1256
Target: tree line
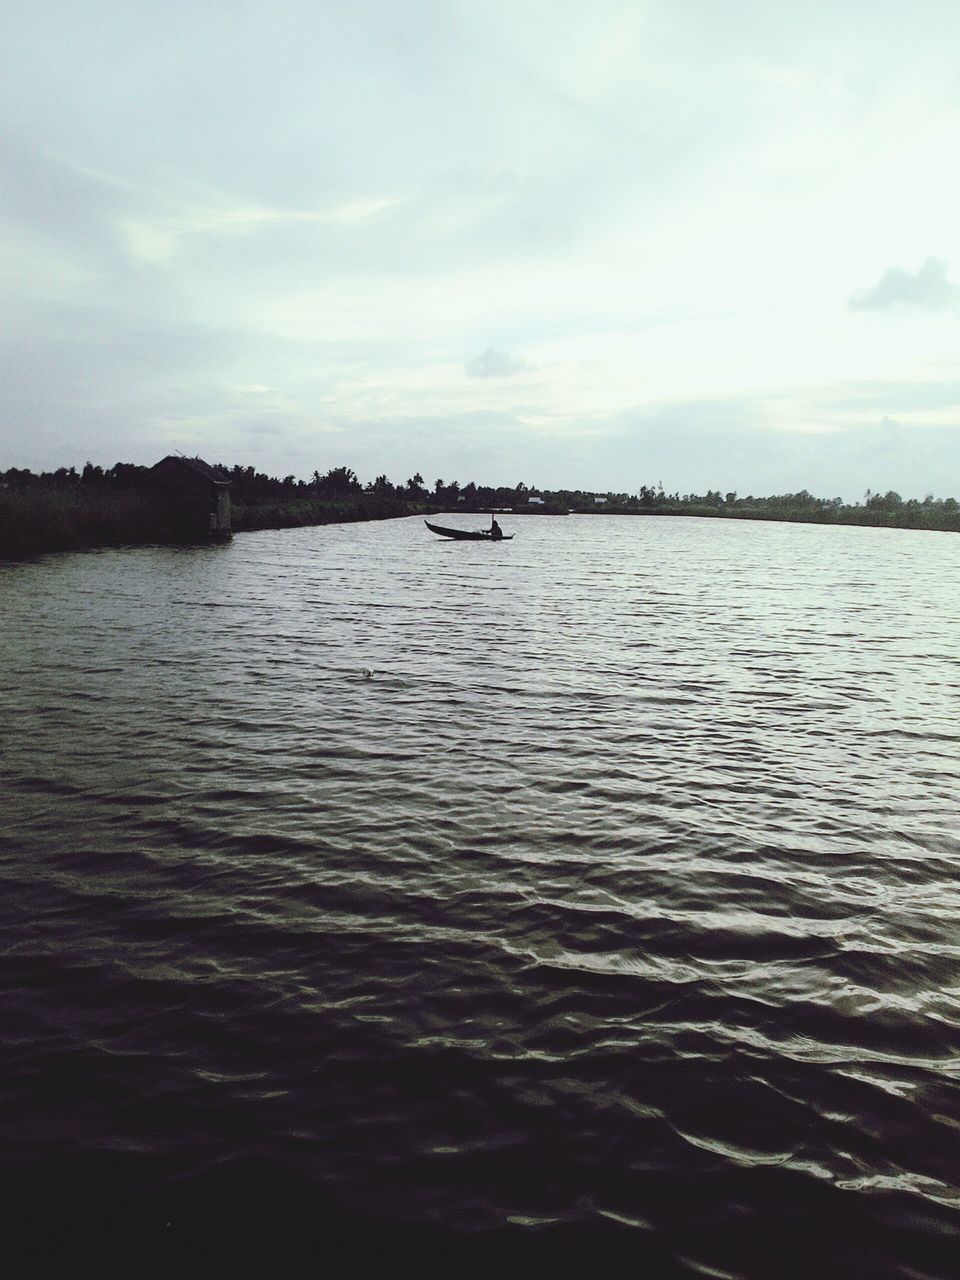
pixel 96 505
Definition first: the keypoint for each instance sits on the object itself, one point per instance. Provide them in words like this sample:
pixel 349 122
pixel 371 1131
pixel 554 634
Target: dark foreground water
pixel 610 926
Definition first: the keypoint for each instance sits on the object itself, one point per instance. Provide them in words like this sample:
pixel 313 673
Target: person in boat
pixel 495 530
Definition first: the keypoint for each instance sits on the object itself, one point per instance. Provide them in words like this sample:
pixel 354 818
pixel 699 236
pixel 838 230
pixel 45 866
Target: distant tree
pixel 888 501
pixel 382 488
pixel 338 482
pixel 126 475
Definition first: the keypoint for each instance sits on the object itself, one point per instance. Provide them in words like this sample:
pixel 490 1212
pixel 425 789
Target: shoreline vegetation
pixel 71 510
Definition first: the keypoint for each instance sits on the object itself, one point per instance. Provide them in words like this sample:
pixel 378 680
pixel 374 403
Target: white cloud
pixel 927 288
pixel 496 364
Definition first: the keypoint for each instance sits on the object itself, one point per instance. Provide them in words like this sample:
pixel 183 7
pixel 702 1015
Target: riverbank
pixel 907 516
pixel 35 521
pixel 38 520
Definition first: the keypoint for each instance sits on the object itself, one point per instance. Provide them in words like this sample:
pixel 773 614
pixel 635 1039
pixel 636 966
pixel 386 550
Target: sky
pixel 584 244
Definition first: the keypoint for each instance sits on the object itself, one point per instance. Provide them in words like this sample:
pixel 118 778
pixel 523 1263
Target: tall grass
pixel 38 519
pixel 46 518
pixel 298 512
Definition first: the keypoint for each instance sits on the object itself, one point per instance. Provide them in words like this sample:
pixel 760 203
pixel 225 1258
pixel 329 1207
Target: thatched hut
pixel 198 496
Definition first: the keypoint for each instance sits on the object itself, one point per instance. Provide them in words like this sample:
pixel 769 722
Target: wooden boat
pixel 467 535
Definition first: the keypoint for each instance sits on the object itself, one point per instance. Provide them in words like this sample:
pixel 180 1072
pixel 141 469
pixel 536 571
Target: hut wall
pixel 198 504
pixel 220 519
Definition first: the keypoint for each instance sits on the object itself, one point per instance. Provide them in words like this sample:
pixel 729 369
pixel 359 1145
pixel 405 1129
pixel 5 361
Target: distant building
pixel 198 496
pixel 535 502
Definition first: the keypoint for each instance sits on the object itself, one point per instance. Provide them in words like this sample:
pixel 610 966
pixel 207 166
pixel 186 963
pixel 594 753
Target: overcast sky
pixel 579 243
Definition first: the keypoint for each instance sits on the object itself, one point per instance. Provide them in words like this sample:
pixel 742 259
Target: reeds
pixel 38 519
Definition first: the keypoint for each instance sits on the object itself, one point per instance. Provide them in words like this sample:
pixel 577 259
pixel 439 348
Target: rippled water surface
pixel 374 902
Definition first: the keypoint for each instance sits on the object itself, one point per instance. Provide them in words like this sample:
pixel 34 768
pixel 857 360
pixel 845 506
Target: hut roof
pixel 175 460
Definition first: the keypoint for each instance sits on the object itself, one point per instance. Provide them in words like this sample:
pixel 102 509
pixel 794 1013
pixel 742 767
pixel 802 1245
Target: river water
pixel 586 902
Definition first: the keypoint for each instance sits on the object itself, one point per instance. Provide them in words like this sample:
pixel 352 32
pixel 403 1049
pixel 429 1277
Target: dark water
pixel 610 926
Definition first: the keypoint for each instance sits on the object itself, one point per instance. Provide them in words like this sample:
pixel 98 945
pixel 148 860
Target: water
pixel 586 902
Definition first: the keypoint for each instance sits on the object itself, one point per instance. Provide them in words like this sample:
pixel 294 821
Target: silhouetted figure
pixel 495 530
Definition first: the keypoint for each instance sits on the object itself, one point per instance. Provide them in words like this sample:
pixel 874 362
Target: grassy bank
pixel 64 511
pixel 300 512
pixel 37 520
pixel 907 516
